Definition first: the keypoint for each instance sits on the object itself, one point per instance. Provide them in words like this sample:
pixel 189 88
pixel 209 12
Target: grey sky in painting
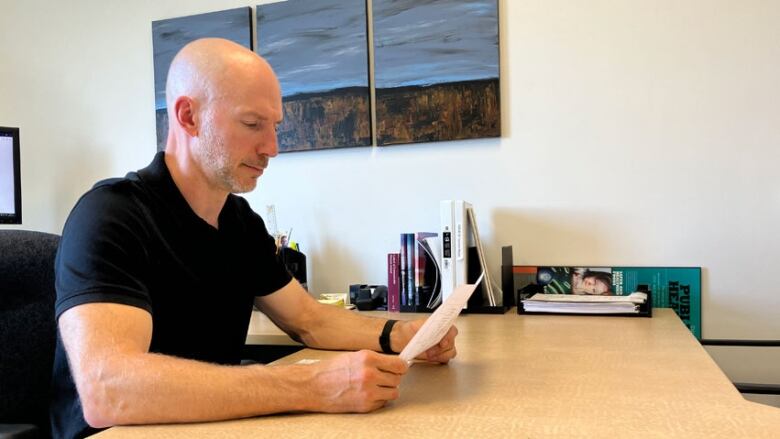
pixel 418 42
pixel 314 45
pixel 168 36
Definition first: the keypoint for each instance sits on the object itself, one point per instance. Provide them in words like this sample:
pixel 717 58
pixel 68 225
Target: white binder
pixel 454 244
pixel 460 241
pixel 447 251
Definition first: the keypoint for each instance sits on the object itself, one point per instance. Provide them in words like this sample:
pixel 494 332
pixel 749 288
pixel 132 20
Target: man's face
pixel 238 137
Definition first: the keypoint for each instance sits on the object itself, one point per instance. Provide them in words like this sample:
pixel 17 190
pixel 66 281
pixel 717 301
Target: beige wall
pixel 636 133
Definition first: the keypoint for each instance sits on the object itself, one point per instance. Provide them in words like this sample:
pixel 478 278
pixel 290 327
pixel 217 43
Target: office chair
pixel 27 331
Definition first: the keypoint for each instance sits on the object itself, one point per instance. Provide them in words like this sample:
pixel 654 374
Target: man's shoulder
pixel 112 196
pixel 130 182
pixel 129 186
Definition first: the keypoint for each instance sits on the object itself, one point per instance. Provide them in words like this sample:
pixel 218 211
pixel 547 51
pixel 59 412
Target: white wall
pixel 635 133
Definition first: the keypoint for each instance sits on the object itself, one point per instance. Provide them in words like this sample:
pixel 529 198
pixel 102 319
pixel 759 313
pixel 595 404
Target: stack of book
pixel 413 274
pixel 430 267
pixel 585 304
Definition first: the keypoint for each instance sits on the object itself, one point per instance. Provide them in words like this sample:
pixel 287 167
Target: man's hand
pixel 442 352
pixel 357 382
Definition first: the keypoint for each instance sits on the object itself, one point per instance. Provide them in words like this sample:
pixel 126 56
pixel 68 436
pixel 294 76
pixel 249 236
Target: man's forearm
pixel 337 328
pixel 326 326
pixel 152 388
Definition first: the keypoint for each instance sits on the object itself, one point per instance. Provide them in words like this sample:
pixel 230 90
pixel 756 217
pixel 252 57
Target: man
pixel 157 273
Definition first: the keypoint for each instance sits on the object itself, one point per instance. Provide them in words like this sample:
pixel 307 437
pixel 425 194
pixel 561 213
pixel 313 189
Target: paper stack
pixel 584 304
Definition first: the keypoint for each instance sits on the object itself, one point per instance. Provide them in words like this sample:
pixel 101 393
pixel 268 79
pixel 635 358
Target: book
pixel 409 253
pixel 404 271
pixel 460 240
pixel 492 292
pixel 393 282
pixel 447 267
pixel 454 244
pixel 424 269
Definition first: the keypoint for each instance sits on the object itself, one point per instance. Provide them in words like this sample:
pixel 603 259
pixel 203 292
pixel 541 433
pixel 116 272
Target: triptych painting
pixel 436 68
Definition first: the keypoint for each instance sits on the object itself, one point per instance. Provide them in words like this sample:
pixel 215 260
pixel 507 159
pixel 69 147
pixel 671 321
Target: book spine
pixel 447 260
pixel 419 268
pixel 393 282
pixel 460 242
pixel 410 291
pixel 421 264
pixel 404 270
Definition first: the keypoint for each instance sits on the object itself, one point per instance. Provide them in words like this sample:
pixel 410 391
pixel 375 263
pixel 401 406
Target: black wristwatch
pixel 384 338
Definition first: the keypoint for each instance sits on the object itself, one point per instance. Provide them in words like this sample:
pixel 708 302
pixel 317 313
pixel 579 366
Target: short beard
pixel 215 161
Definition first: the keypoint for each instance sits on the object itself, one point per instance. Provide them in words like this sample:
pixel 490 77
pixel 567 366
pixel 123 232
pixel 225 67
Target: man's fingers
pixel 388 379
pixel 391 364
pixel 387 393
pixel 439 355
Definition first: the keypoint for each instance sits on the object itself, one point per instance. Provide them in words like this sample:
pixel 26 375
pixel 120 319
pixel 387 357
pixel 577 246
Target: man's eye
pixel 250 124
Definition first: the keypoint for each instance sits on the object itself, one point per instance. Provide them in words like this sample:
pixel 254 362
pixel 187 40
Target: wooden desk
pixel 538 376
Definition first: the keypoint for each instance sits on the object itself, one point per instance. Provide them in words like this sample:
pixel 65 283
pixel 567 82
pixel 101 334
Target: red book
pixel 393 282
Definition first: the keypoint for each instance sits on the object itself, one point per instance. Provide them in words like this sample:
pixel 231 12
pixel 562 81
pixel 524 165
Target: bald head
pixel 224 103
pixel 207 69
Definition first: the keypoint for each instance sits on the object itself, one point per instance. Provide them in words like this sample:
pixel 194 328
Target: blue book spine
pixel 410 247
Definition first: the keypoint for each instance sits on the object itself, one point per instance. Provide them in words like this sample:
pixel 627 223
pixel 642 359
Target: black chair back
pixel 27 326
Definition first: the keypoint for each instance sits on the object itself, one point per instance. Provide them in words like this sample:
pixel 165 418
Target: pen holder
pixel 295 262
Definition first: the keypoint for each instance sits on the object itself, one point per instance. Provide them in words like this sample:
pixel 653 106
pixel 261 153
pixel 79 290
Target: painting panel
pixel 170 35
pixel 319 51
pixel 436 70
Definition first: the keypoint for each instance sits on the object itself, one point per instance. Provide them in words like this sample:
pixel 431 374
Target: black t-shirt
pixel 136 241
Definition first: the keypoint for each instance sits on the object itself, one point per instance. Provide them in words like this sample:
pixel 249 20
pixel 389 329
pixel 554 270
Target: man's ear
pixel 185 112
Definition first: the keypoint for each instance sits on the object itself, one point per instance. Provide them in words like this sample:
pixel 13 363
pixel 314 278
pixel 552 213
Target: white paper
pixel 583 304
pixel 437 325
pixel 637 297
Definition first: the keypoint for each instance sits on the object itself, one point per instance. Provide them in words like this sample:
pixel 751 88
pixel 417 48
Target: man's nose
pixel 269 145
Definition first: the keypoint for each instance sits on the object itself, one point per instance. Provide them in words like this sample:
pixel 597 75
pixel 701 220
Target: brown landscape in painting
pixel 336 119
pixel 449 111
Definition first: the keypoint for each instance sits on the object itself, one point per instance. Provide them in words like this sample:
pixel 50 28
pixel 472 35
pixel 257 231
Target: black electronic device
pixel 10 177
pixel 368 297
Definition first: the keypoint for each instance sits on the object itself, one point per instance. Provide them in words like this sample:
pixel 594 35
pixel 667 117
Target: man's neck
pixel 204 199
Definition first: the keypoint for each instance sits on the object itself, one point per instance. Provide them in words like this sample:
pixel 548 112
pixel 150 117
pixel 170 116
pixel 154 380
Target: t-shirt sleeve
pixel 101 257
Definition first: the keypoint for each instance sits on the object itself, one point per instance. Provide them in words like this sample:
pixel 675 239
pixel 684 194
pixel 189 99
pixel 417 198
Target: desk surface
pixel 538 376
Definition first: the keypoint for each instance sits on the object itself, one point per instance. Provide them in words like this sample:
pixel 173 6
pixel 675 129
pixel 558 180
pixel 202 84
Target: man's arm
pixel 120 382
pixel 330 327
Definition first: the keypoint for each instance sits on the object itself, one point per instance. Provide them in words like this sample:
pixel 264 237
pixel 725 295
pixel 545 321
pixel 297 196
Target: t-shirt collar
pixel 158 176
